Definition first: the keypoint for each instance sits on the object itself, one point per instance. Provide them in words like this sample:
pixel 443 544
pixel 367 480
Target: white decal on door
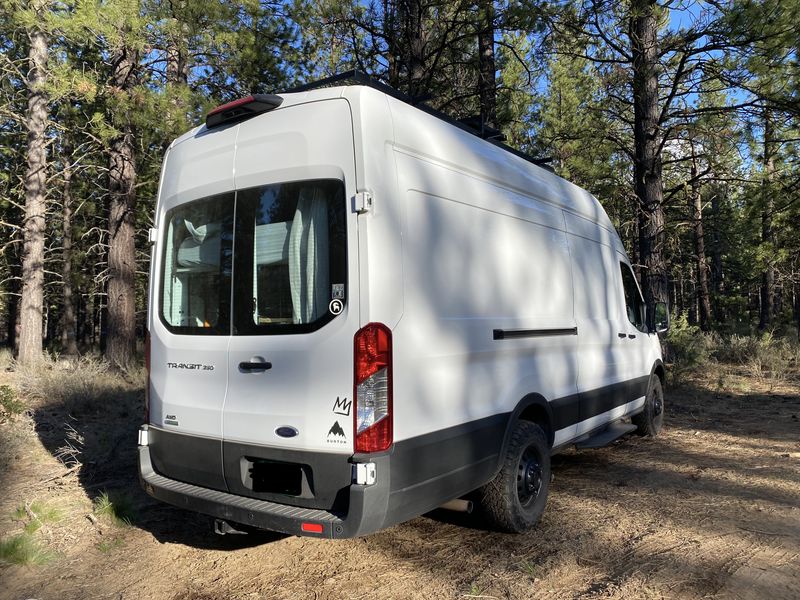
pixel 336 306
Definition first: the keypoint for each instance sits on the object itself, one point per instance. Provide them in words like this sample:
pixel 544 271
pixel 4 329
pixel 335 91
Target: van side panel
pixel 612 378
pixel 457 376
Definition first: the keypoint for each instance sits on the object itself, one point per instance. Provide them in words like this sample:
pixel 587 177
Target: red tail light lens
pixel 147 383
pixel 373 388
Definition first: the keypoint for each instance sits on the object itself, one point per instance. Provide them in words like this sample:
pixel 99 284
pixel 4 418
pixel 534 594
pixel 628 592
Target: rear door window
pixel 198 260
pixel 291 258
pixel 280 248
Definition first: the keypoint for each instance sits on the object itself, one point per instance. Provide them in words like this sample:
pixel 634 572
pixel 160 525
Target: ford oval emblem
pixel 286 431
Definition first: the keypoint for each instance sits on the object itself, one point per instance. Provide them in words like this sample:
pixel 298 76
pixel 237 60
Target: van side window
pixel 634 305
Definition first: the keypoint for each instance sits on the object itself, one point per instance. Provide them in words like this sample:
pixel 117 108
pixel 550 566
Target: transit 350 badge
pixel 336 306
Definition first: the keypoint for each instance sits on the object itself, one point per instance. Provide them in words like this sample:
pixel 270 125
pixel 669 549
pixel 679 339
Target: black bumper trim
pixel 367 505
pixel 250 511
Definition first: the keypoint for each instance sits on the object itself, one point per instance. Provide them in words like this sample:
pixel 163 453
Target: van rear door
pixel 190 308
pixel 294 305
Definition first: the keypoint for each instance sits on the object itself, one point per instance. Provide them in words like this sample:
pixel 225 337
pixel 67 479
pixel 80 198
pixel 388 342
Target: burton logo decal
pixel 336 434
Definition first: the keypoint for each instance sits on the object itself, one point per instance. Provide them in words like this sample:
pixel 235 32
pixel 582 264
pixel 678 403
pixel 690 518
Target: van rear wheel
pixel 650 421
pixel 514 500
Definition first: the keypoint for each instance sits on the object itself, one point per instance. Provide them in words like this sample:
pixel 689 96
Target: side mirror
pixel 660 317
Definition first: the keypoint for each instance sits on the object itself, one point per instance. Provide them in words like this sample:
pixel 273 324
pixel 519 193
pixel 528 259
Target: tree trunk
pixel 647 156
pixel 796 293
pixel 767 234
pixel 177 74
pixel 36 117
pixel 414 39
pixel 701 265
pixel 487 86
pixel 393 50
pixel 68 326
pixel 121 325
pixel 13 291
pixel 717 271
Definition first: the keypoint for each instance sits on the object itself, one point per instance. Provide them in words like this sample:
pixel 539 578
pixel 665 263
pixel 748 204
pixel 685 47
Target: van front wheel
pixel 650 421
pixel 514 500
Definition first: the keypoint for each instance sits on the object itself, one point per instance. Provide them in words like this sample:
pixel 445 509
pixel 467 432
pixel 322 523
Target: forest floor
pixel 709 509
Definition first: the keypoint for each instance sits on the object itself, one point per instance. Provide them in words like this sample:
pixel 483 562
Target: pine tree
pixel 36 122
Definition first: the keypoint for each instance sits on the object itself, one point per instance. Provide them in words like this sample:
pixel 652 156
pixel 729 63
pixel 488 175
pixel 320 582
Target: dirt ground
pixel 709 509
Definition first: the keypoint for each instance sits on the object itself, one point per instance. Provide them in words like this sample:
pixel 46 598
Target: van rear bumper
pixel 366 513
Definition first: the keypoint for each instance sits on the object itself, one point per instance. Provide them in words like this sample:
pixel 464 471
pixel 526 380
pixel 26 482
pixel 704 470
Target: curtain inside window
pixel 308 256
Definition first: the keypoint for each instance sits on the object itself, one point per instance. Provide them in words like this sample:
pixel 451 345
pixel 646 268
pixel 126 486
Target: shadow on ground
pixel 103 433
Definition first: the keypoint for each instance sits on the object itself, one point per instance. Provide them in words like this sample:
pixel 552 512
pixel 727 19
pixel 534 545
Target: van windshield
pixel 276 254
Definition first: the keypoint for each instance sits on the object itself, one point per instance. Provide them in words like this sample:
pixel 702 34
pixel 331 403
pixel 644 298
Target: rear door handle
pixel 254 366
pixel 631 335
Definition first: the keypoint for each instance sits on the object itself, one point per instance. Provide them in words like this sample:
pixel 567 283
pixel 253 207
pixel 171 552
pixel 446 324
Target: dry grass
pixel 77 385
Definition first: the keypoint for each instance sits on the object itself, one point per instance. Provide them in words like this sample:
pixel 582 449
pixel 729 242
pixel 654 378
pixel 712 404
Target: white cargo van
pixel 359 311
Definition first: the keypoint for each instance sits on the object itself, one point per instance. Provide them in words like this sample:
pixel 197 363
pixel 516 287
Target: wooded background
pixel 682 117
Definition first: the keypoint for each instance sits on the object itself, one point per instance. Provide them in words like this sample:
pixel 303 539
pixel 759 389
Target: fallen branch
pixel 72 469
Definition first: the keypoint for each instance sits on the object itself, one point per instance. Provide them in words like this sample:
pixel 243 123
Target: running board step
pixel 606 436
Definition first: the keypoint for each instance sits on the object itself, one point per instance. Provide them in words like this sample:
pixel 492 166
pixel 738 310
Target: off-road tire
pixel 650 421
pixel 500 499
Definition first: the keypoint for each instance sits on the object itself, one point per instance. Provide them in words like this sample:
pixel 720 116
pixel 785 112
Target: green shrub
pixel 687 347
pixel 737 349
pixel 772 358
pixel 9 402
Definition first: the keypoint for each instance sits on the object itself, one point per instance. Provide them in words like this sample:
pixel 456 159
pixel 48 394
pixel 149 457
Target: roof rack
pixel 473 125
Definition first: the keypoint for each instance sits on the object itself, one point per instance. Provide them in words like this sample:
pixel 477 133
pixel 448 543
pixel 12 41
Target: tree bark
pixel 701 264
pixel 36 117
pixel 717 270
pixel 121 342
pixel 68 328
pixel 414 39
pixel 487 86
pixel 767 234
pixel 647 155
pixel 393 50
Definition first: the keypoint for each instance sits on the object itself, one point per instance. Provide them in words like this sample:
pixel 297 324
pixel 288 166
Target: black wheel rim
pixel 529 477
pixel 658 405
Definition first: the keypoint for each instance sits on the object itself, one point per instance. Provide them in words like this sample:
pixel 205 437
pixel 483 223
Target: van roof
pixel 428 136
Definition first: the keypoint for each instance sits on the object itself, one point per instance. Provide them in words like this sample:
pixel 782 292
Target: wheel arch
pixel 535 409
pixel 660 371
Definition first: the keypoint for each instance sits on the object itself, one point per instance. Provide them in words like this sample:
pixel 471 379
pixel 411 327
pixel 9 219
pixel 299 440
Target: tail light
pixel 373 388
pixel 147 383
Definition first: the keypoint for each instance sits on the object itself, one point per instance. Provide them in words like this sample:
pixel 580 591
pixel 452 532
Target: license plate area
pixel 264 476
